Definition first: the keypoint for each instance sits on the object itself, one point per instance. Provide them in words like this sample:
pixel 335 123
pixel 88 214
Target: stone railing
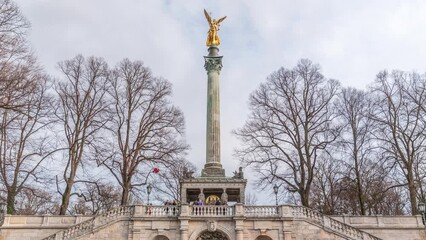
pixel 304 212
pixel 58 222
pixel 161 211
pixel 93 223
pixel 283 211
pixel 148 211
pixel 261 211
pixel 330 223
pixel 212 211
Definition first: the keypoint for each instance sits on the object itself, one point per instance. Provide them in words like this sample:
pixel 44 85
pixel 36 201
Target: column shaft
pixel 213 66
pixel 213 119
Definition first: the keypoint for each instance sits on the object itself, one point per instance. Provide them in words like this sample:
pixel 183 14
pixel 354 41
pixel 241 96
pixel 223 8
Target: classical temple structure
pixel 232 219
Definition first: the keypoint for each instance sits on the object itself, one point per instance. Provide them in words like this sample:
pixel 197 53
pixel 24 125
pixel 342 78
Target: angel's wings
pixel 209 19
pixel 221 19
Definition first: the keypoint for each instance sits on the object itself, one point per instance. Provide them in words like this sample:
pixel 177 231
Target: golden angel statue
pixel 212 37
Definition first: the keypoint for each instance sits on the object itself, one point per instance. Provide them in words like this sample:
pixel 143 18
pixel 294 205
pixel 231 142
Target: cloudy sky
pixel 351 40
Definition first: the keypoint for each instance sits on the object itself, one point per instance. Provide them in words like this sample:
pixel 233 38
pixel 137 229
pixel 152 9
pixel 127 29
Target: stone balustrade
pixel 161 211
pixel 42 221
pixel 212 211
pixel 330 223
pixel 373 222
pixel 93 223
pixel 261 211
pixel 70 227
pixel 76 230
pixel 303 212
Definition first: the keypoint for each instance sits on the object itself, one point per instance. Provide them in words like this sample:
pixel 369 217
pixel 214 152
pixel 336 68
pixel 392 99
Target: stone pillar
pixel 183 194
pixel 213 66
pixel 243 195
pixel 239 210
pixel 239 234
pixel 183 234
pixel 184 221
pixel 239 221
pixel 184 229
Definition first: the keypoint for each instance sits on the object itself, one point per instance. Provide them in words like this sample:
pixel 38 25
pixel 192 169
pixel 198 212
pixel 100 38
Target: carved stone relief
pixel 213 236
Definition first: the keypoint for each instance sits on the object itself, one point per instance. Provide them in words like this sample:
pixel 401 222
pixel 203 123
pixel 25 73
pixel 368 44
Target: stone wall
pixel 116 230
pixel 388 227
pixel 36 227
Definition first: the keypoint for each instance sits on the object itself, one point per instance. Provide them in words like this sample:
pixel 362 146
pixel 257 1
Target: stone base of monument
pixel 227 189
pixel 213 170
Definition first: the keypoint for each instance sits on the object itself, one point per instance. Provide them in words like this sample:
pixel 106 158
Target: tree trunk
pixel 412 192
pixel 360 191
pixel 66 197
pixel 125 194
pixel 10 201
pixel 304 197
pixel 360 194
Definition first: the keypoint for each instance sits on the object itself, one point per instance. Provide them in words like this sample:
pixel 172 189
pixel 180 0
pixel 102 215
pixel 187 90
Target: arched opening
pixel 216 235
pixel 263 238
pixel 161 237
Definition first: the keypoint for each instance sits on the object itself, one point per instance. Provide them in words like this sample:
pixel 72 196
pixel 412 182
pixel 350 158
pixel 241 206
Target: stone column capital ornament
pixel 213 64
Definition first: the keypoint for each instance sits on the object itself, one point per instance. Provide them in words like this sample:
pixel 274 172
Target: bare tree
pixel 36 200
pixel 81 109
pixel 327 191
pixel 16 59
pixel 381 195
pixel 356 142
pixel 97 196
pixel 167 181
pixel 13 30
pixel 292 123
pixel 416 92
pixel 24 143
pixel 401 127
pixel 335 191
pixel 146 127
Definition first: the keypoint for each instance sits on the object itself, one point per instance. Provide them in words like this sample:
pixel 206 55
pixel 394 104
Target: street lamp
pixel 148 190
pixel 276 192
pixel 421 207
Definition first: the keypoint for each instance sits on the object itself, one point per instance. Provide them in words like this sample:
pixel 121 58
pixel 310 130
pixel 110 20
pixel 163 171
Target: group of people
pixel 217 202
pixel 220 207
pixel 172 207
pixel 174 202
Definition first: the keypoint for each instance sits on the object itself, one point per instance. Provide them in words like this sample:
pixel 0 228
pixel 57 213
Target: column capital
pixel 213 63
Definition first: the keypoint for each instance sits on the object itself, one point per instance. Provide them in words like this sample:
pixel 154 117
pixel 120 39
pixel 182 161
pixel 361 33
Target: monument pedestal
pixel 233 189
pixel 213 170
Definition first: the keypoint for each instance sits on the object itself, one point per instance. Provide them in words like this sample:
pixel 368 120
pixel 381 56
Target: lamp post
pixel 276 194
pixel 148 190
pixel 421 207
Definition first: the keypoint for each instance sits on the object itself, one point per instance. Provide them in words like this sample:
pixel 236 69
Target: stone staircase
pixel 93 224
pixel 331 224
pixel 297 213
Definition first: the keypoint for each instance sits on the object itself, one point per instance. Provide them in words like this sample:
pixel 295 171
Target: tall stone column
pixel 213 65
